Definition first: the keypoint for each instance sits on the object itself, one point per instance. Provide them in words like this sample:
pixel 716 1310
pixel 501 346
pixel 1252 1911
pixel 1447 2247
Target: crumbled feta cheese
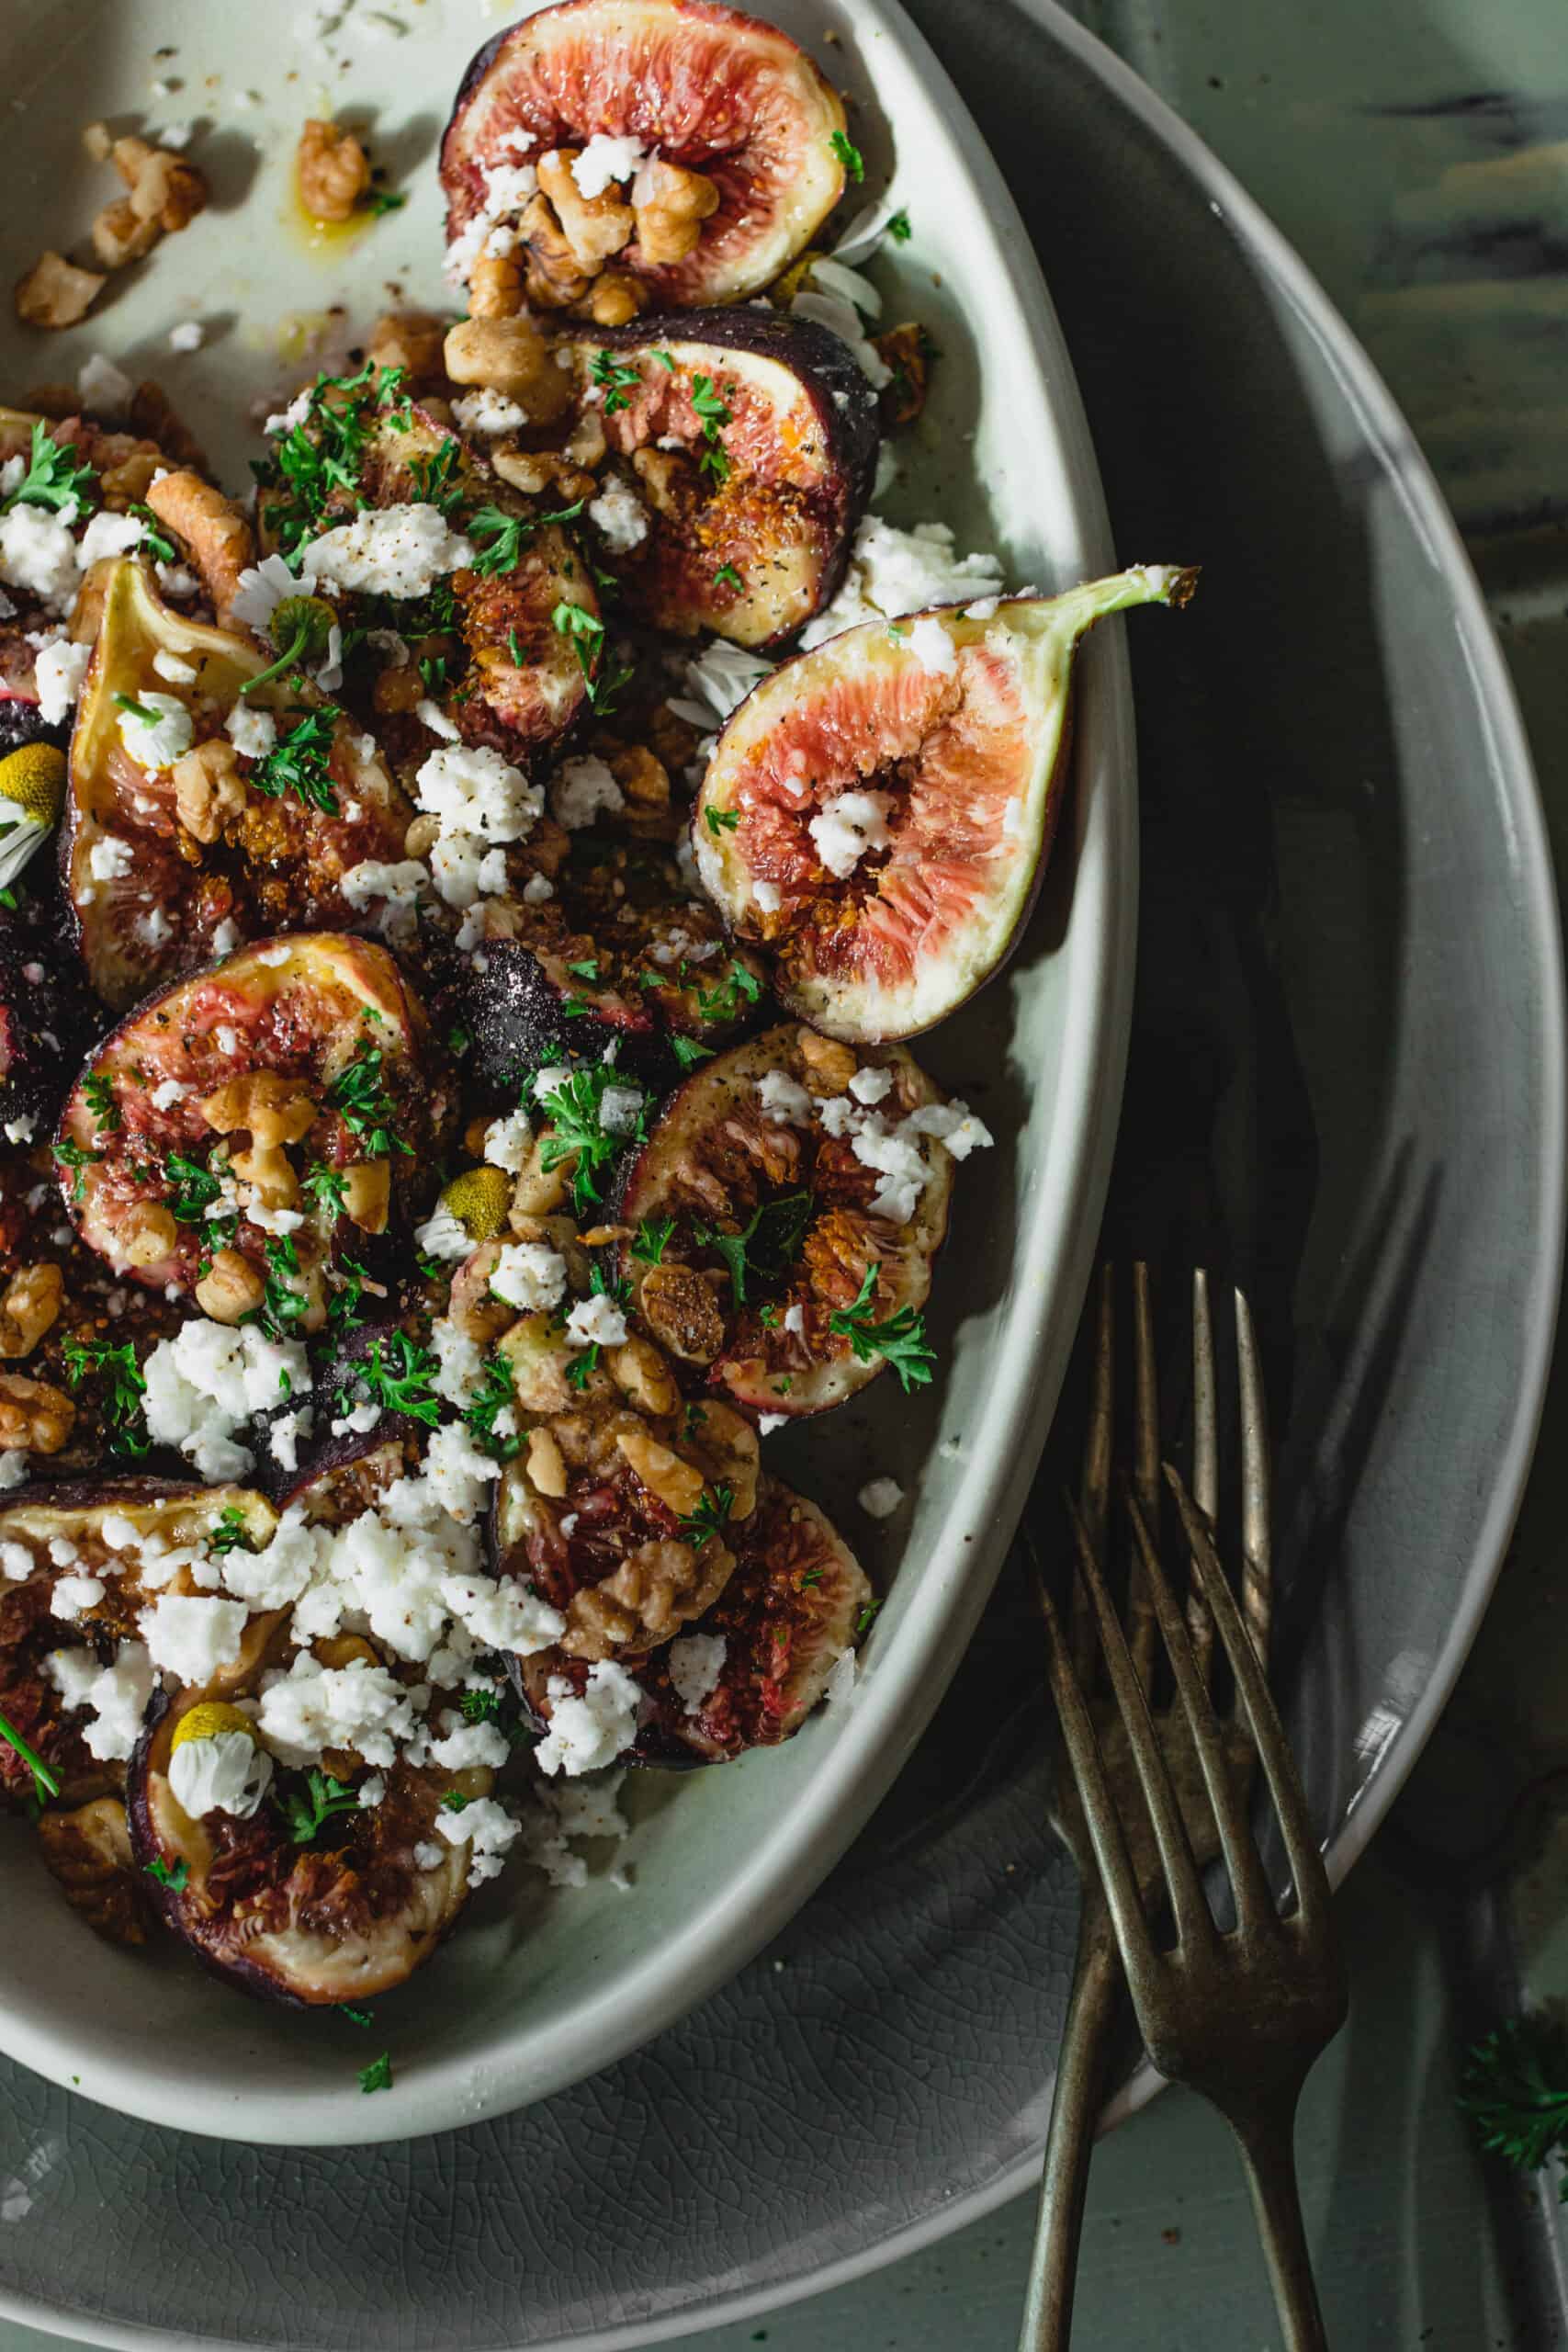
pixel 591 1730
pixel 608 157
pixel 895 573
pixel 768 895
pixel 783 1099
pixel 167 1092
pixel 226 937
pixel 456 1470
pixel 695 1661
pixel 880 1497
pixel 116 1695
pixel 207 1379
pixel 583 789
pixel 59 670
pixel 22 1128
pixel 398 551
pixel 488 411
pixel 620 514
pixel 508 1141
pixel 191 1636
pixel 175 667
pixel 503 1615
pixel 871 1085
pixel 38 555
pixel 487 1828
pixel 253 733
pixel 372 1791
pixel 189 336
pixel 313 1707
pixel 428 1856
pixel 794 1320
pixel 595 1322
pixel 507 189
pixel 401 882
pixel 110 857
pixel 156 742
pixel 443 1236
pixel 620 1108
pixel 16 1560
pixel 472 790
pixel 538 888
pixel 469 1745
pixel 154 927
pixel 931 646
pixel 73 1596
pixel 226 1772
pixel 847 827
pixel 104 391
pixel 429 714
pixel 528 1275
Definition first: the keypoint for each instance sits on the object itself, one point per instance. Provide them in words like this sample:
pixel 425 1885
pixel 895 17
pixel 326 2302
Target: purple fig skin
pixel 842 400
pixel 40 931
pixel 21 724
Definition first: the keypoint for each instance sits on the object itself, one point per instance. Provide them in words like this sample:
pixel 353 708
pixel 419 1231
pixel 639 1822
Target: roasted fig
pixel 787 1205
pixel 178 843
pixel 87 1854
pixel 878 811
pixel 346 1910
pixel 314 1053
pixel 74 1676
pixel 749 1673
pixel 450 618
pixel 620 1515
pixel 742 449
pixel 732 142
pixel 47 1018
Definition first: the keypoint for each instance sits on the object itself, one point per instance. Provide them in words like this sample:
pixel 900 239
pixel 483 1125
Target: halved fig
pixel 621 951
pixel 169 865
pixel 783 1222
pixel 175 1514
pixel 741 446
pixel 481 645
pixel 620 1516
pixel 345 1916
pixel 87 1854
pixel 749 1673
pixel 878 811
pixel 243 1129
pixel 736 141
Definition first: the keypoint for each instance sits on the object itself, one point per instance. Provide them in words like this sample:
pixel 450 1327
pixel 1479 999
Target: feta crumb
pixel 59 671
pixel 109 858
pixel 695 1661
pixel 620 1108
pixel 595 1322
pixel 487 1828
pixel 473 791
pixel 768 895
pixel 192 1636
pixel 871 1085
pixel 401 882
pixel 117 1696
pixel 767 1422
pixel 608 157
pixel 620 514
pixel 845 828
pixel 932 647
pixel 784 1098
pixel 104 389
pixel 398 551
pixel 583 789
pixel 73 1596
pixel 591 1730
pixel 528 1275
pixel 508 1141
pixel 253 733
pixel 488 411
pixel 893 573
pixel 880 1497
pixel 794 1320
pixel 189 336
pixel 175 667
pixel 22 1128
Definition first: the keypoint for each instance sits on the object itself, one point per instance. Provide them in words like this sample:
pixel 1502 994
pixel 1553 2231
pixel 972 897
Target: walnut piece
pixel 266 1168
pixel 409 340
pixel 274 1109
pixel 595 227
pixel 334 170
pixel 120 236
pixel 208 788
pixel 212 527
pixel 230 1289
pixel 677 1486
pixel 148 1234
pixel 88 1852
pixel 662 473
pixel 367 1193
pixel 616 299
pixel 547 1469
pixel 830 1065
pixel 163 187
pixel 34 1418
pixel 657 1590
pixel 30 1305
pixel 495 286
pixel 671 205
pixel 55 293
pixel 555 277
pixel 512 356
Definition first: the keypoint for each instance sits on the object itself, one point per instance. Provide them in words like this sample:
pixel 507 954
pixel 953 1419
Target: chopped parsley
pixel 507 534
pixel 652 1238
pixel 193 1189
pixel 400 1376
pixel 900 1341
pixel 898 227
pixel 587 970
pixel 480 1706
pixel 710 1516
pixel 584 1365
pixel 493 1396
pixel 619 383
pixel 740 986
pixel 378 201
pixel 98 1091
pixel 690 1051
pixel 322 1796
pixel 721 820
pixel 665 359
pixel 575 1133
pixel 435 478
pixel 768 1243
pixel 317 463
pixel 284 1302
pixel 849 154
pixel 727 577
pixel 70 1155
pixel 866 1615
pixel 367 1110
pixel 124 1387
pixel 299 763
pixel 175 1880
pixel 713 458
pixel 358 2017
pixel 44 1782
pixel 52 478
pixel 327 1190
pixel 152 538
pixel 230 1533
pixel 586 631
pixel 378 2075
pixel 455 1802
pixel 343 1307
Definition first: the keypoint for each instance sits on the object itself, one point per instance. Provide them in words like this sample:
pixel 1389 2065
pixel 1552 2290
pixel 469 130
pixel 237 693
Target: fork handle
pixel 1075 2111
pixel 1267 2128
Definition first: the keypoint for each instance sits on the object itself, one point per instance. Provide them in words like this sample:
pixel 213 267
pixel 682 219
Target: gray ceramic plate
pixel 1347 1078
pixel 539 1989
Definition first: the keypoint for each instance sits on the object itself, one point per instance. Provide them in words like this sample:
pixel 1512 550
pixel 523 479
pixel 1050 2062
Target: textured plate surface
pixel 1347 1063
pixel 538 1989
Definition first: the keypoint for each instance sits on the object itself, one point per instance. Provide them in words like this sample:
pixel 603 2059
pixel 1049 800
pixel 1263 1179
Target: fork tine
pixel 1302 1849
pixel 1141 1630
pixel 1094 1490
pixel 1253 1896
pixel 1187 1902
pixel 1205 1460
pixel 1104 1822
pixel 1256 1542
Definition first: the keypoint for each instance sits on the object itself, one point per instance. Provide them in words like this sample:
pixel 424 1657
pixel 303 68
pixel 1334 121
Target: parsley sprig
pixel 124 1388
pixel 575 1133
pixel 619 382
pixel 586 631
pixel 494 1395
pixel 768 1243
pixel 400 1376
pixel 849 154
pixel 900 1339
pixel 1513 2088
pixel 508 534
pixel 367 1108
pixel 299 763
pixel 97 1093
pixel 52 478
pixel 306 1809
pixel 713 458
pixel 194 1188
pixel 230 1533
pixel 317 463
pixel 709 1518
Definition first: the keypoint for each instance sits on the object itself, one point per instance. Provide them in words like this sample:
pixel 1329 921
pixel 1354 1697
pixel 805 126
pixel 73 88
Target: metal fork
pixel 1096 1983
pixel 1240 2016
